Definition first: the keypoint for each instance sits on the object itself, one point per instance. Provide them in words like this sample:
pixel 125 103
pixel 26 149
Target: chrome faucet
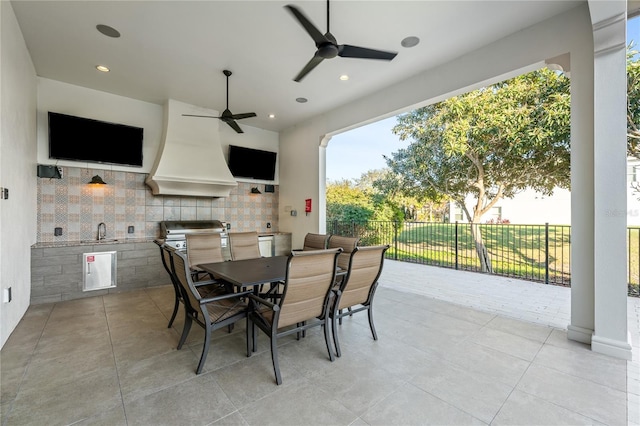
pixel 102 231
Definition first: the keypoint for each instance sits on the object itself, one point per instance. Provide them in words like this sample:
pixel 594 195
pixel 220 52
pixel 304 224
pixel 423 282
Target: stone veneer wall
pixel 78 208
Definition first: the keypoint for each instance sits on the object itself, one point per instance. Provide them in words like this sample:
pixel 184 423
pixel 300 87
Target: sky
pixel 357 151
pixel 353 153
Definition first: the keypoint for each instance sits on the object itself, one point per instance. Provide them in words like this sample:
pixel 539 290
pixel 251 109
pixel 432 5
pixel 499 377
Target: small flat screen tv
pixel 83 139
pixel 252 163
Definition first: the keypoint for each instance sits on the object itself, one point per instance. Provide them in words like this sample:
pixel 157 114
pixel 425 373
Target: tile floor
pixel 449 352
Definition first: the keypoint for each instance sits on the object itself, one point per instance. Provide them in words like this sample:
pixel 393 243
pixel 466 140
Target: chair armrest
pixel 265 302
pixel 223 297
pixel 207 282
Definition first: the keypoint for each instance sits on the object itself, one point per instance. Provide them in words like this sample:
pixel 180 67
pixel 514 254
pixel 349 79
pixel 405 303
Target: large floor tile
pixel 138 379
pixel 589 365
pixel 253 378
pixel 601 403
pixel 299 404
pixel 469 391
pixel 67 403
pixel 410 405
pixel 198 401
pixel 526 410
pixel 508 343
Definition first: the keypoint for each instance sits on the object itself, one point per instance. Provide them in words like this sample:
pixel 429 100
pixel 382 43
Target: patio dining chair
pixel 305 302
pixel 244 245
pixel 358 287
pixel 315 241
pixel 211 312
pixel 348 245
pixel 205 288
pixel 203 248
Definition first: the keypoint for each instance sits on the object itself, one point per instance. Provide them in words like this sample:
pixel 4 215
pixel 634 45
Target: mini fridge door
pixel 99 270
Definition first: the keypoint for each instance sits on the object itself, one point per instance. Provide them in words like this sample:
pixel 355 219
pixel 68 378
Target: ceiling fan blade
pixel 347 51
pixel 244 115
pixel 307 68
pixel 234 126
pixel 203 116
pixel 311 29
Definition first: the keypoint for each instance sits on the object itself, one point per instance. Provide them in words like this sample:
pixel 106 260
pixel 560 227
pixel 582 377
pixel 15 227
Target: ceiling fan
pixel 227 116
pixel 328 47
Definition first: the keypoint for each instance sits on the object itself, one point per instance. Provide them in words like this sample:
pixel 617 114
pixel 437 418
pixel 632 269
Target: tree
pixel 489 144
pixel 633 102
pixel 346 203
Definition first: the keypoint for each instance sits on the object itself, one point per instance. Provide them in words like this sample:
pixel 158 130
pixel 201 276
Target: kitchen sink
pixel 104 241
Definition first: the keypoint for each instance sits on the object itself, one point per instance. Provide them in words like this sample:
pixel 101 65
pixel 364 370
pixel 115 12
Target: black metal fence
pixel 532 252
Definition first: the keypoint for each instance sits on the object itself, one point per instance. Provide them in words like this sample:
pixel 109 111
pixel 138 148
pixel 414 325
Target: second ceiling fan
pixel 227 116
pixel 328 47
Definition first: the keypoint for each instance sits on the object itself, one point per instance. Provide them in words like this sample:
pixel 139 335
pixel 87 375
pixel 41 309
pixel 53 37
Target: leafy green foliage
pixel 489 143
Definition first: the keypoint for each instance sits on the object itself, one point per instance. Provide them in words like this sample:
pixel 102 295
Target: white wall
pixel 79 101
pixel 17 169
pixel 521 52
pixel 530 207
pixel 68 99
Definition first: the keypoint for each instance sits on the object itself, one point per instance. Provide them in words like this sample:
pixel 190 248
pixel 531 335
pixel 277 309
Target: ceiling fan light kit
pixel 227 116
pixel 327 46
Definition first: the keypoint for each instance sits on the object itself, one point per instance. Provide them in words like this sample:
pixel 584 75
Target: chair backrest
pixel 315 241
pixel 244 245
pixel 182 275
pixel 362 276
pixel 204 248
pixel 307 287
pixel 348 244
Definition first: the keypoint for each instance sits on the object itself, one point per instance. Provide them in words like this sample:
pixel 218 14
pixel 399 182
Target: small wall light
pixel 97 180
pixel 255 190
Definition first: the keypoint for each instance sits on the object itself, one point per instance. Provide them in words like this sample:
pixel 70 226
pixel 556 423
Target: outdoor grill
pixel 175 232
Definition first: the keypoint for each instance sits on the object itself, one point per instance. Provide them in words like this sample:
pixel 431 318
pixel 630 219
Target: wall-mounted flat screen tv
pixel 252 163
pixel 83 139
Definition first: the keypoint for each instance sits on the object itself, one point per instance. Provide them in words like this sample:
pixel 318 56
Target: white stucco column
pixel 610 205
pixel 582 195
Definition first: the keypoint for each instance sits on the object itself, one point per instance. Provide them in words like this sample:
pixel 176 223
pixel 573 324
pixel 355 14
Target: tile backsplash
pixel 75 206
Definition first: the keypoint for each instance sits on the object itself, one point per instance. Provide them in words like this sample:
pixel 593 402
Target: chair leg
pixel 185 330
pixel 249 335
pixel 327 337
pixel 340 319
pixel 373 328
pixel 175 312
pixel 334 331
pixel 205 348
pixel 254 337
pixel 274 358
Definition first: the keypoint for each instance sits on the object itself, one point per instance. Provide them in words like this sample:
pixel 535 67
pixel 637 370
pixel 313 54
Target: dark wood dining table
pixel 247 273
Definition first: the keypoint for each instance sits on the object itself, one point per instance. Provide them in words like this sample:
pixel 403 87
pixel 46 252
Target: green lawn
pixel 515 250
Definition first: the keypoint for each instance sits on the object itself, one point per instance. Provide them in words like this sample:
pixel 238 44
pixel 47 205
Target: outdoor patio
pixel 454 348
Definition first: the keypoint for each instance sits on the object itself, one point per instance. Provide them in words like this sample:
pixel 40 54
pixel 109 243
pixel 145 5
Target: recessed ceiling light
pixel 272 116
pixel 108 31
pixel 410 41
pixel 344 77
pixel 102 68
pixel 301 100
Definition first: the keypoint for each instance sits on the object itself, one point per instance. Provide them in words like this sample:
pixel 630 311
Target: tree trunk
pixel 481 250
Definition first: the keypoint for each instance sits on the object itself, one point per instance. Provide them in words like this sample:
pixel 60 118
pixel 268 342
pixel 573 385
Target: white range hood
pixel 190 159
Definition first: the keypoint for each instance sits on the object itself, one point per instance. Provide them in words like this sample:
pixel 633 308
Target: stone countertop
pixel 110 241
pixel 106 242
